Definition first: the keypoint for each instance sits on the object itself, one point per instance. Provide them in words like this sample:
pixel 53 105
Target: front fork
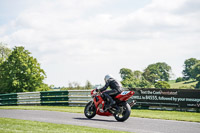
pixel 92 105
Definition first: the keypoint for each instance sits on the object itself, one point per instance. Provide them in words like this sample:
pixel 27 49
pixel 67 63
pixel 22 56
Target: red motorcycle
pixel 121 111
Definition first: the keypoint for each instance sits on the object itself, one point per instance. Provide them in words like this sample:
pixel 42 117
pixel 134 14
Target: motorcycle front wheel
pixel 125 111
pixel 90 110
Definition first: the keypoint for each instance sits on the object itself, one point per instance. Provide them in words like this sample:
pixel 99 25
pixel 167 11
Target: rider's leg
pixel 109 99
pixel 108 95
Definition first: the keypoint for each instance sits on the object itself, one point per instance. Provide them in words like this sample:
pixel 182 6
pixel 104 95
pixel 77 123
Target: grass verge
pixel 167 115
pixel 8 125
pixel 154 114
pixel 48 108
pixel 183 85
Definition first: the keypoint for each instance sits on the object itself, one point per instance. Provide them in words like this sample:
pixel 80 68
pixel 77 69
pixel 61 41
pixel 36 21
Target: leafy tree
pixel 195 70
pixel 77 86
pixel 198 84
pixel 188 64
pixel 127 78
pixel 134 79
pixel 162 85
pixel 140 81
pixel 88 85
pixel 195 73
pixel 21 72
pixel 129 83
pixel 179 79
pixel 74 86
pixel 126 73
pixel 137 74
pixel 159 71
pixel 4 52
pixel 143 83
pixel 44 87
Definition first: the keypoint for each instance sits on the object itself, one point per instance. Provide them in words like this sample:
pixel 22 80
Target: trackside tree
pixel 133 79
pixel 21 73
pixel 4 52
pixel 157 72
pixel 188 66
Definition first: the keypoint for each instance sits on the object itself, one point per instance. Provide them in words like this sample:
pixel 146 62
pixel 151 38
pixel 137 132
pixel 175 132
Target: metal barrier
pixel 166 99
pixel 54 98
pixel 28 98
pixel 48 98
pixel 8 99
pixel 79 97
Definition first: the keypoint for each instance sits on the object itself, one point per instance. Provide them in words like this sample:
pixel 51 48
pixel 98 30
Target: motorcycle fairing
pixel 124 95
pixel 99 104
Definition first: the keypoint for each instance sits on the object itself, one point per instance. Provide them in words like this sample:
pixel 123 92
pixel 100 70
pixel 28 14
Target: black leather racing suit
pixel 115 87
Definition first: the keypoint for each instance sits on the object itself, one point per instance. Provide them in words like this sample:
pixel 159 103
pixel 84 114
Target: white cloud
pixel 73 42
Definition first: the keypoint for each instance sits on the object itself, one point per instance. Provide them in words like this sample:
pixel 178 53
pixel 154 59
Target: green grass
pixel 49 108
pixel 167 115
pixel 8 125
pixel 182 85
pixel 154 114
pixel 171 81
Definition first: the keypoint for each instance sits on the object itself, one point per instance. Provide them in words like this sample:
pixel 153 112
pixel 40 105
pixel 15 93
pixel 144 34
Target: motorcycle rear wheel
pixel 90 110
pixel 124 114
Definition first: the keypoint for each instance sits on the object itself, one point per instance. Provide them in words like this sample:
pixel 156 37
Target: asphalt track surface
pixel 133 124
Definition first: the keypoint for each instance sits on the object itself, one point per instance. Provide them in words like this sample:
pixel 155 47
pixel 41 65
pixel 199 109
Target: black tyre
pixel 125 111
pixel 90 110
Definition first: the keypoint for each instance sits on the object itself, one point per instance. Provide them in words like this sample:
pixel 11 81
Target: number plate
pixel 125 92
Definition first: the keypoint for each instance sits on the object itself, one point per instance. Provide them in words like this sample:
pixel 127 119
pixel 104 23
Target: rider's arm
pixel 105 87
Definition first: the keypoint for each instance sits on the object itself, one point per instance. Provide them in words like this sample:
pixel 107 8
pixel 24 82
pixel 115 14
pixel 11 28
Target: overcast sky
pixel 79 40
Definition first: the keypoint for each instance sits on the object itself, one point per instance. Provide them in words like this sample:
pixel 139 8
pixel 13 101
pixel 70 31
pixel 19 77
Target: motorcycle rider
pixel 115 87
